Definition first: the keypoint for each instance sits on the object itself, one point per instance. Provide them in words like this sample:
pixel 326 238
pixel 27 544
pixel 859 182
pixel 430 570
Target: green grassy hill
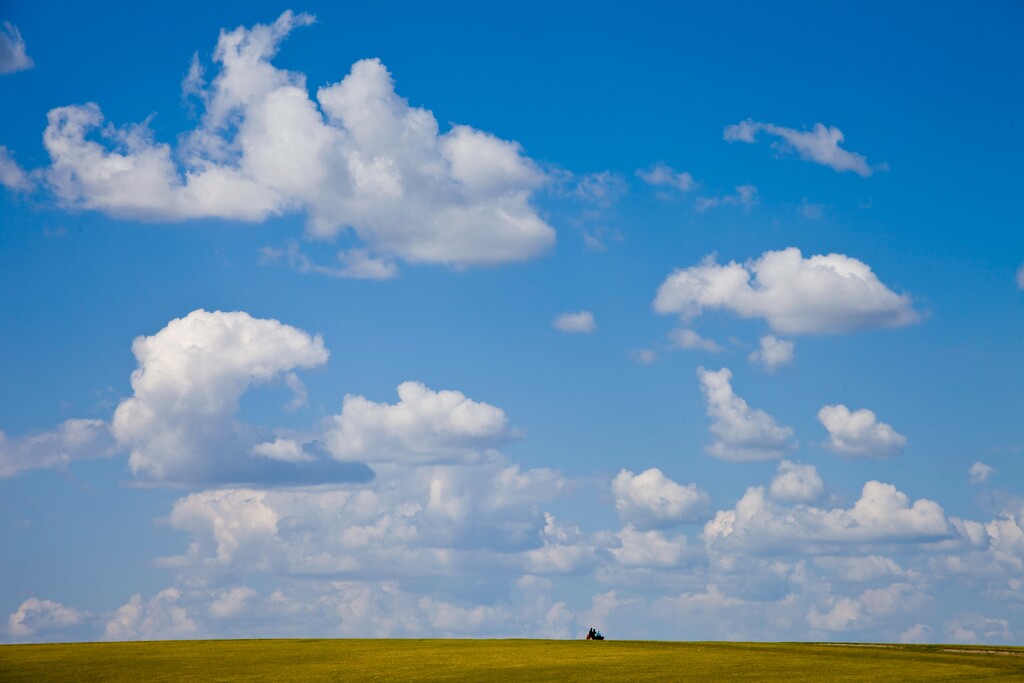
pixel 502 660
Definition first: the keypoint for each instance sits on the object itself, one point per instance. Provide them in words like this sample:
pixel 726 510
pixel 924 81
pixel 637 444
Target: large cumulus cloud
pixel 358 156
pixel 179 425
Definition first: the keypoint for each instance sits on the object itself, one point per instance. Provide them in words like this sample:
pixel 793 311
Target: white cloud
pixel 841 615
pixel 284 450
pixel 648 548
pixel 159 618
pixel 179 424
pixel 918 633
pixel 409 522
pixel 978 628
pixel 822 294
pixel 846 613
pixel 745 196
pixel 241 524
pixel 685 338
pixel 13 56
pixel 1020 276
pixel 582 321
pixel 882 514
pixel 796 483
pixel 72 440
pixel 35 616
pixel 231 602
pixel 650 499
pixel 859 433
pixel 12 176
pixel 742 432
pixel 861 569
pixel 819 145
pixel 425 426
pixel 358 157
pixel 661 174
pixel 980 472
pixel 772 353
pixel 355 608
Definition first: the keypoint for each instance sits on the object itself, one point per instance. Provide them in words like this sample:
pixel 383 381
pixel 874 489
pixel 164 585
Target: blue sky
pixel 684 323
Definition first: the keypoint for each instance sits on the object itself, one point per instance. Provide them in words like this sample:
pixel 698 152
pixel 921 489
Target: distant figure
pixel 594 634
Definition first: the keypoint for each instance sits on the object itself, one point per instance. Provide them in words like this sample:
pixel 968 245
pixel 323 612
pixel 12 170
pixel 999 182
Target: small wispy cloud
pixel 12 176
pixel 684 338
pixel 980 472
pixel 745 196
pixel 819 145
pixel 355 264
pixel 13 56
pixel 661 174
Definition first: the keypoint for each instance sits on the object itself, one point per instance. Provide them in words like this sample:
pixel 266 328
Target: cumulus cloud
pixel 860 569
pixel 648 548
pixel 12 176
pixel 744 196
pixel 882 514
pixel 742 432
pixel 859 433
pixel 980 473
pixel 651 500
pixel 841 615
pixel 412 521
pixel 822 294
pixel 796 483
pixel 13 56
pixel 35 618
pixel 425 426
pixel 819 145
pixel 73 440
pixel 284 450
pixel 846 613
pixel 661 174
pixel 977 628
pixel 685 338
pixel 772 353
pixel 372 608
pixel 918 633
pixel 231 602
pixel 358 157
pixel 179 424
pixel 581 322
pixel 159 618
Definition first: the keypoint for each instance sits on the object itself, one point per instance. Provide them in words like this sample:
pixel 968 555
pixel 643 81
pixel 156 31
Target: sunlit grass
pixel 502 660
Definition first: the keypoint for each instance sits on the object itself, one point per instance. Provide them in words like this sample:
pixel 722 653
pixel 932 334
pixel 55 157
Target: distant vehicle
pixel 594 634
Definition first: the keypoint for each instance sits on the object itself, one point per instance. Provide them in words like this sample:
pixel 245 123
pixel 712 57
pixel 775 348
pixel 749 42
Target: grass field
pixel 502 660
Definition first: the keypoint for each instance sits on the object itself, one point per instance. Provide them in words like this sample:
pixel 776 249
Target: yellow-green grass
pixel 503 660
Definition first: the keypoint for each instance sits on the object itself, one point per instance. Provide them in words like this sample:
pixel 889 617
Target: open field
pixel 502 660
